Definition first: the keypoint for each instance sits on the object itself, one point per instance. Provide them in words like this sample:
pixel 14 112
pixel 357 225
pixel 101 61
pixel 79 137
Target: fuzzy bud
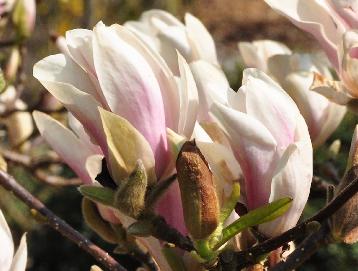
pixel 198 194
pixel 130 196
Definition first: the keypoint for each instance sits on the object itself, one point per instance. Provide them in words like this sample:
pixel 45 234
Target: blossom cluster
pixel 149 99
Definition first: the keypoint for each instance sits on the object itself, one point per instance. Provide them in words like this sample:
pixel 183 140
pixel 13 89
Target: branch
pixel 248 257
pixel 305 250
pixel 9 183
pixel 8 43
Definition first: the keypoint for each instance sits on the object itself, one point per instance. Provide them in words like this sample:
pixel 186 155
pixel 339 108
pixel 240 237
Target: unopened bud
pixel 24 16
pixel 130 196
pixel 200 202
pixel 12 65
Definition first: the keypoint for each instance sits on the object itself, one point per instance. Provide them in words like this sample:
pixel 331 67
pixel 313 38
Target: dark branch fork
pixel 9 183
pixel 245 258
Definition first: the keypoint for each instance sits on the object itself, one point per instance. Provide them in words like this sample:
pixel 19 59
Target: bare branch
pixel 10 184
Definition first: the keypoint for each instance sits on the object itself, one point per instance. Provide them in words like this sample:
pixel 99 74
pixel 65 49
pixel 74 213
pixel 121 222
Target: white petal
pixel 315 17
pixel 7 245
pixel 256 54
pixel 255 149
pixel 212 86
pixel 20 258
pixel 64 142
pixel 270 104
pixel 292 179
pixel 163 75
pixel 62 69
pixel 188 99
pixel 200 39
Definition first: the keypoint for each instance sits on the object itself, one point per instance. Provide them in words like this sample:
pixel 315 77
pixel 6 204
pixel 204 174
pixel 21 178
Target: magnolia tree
pixel 172 163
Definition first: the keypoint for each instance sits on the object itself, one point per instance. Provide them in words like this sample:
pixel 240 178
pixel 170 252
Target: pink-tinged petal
pixel 200 39
pixel 157 16
pixel 173 39
pixel 81 133
pixel 131 88
pixel 20 258
pixel 269 103
pixel 62 69
pixel 162 72
pixel 212 86
pixel 144 32
pixel 348 10
pixel 256 54
pixel 64 142
pixel 349 61
pixel 79 44
pixel 81 104
pixel 321 115
pixel 254 148
pixel 170 207
pixel 7 245
pixel 315 17
pixel 292 179
pixel 188 99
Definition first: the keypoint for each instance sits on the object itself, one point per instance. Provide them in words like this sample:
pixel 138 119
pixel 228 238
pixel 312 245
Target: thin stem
pixel 10 184
pixel 248 257
pixel 305 250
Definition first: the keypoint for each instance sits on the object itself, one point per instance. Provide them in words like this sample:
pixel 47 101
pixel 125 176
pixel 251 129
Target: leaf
pixel 143 228
pixel 230 203
pixel 103 195
pixel 125 146
pixel 258 216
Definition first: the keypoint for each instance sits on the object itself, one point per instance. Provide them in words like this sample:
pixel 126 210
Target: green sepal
pixel 230 203
pixel 255 217
pixel 99 194
pixel 130 196
pixel 142 228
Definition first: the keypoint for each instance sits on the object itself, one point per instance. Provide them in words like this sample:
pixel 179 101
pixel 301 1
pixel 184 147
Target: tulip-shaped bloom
pixel 295 72
pixel 9 261
pixel 121 96
pixel 332 22
pixel 166 35
pixel 272 145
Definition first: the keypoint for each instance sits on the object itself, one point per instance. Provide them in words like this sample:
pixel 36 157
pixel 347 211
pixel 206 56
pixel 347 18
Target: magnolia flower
pixel 9 261
pixel 166 34
pixel 332 22
pixel 271 142
pixel 256 54
pixel 295 72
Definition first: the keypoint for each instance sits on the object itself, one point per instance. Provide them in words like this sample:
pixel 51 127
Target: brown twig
pixel 305 250
pixel 34 166
pixel 10 184
pixel 239 260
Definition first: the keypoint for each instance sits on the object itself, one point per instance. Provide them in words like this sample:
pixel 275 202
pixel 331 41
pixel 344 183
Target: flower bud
pixel 200 202
pixel 130 197
pixel 24 16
